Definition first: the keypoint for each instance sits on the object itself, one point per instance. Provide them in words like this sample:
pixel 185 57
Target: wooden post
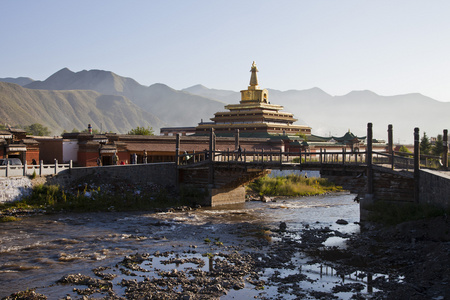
pixel 211 157
pixel 320 157
pixel 391 145
pixel 343 155
pixel 177 150
pixel 369 159
pixel 236 140
pixel 281 156
pixel 445 154
pixel 25 168
pixel 416 164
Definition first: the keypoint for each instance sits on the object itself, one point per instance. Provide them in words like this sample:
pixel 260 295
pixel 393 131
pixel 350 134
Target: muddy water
pixel 35 252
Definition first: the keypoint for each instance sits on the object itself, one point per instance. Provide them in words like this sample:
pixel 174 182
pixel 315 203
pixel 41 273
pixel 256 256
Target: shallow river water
pixel 35 252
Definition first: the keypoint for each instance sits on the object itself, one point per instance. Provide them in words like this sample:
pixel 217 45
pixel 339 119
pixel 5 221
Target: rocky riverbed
pixel 244 258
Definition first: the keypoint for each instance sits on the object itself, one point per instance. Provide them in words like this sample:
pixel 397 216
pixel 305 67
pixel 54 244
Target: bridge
pixel 386 175
pixel 383 175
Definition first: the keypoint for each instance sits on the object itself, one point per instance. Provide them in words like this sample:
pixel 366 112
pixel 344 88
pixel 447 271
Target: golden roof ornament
pixel 254 78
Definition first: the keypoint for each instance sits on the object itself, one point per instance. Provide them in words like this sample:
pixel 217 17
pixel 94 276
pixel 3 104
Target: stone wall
pixel 434 188
pixel 391 185
pixel 14 188
pixel 163 174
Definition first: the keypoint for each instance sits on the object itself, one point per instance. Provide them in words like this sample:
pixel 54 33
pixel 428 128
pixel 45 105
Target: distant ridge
pixel 175 108
pixel 19 80
pixel 335 115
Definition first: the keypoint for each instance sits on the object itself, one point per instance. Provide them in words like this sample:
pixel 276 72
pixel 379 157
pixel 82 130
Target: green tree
pixel 141 131
pixel 438 147
pixel 403 149
pixel 425 145
pixel 37 129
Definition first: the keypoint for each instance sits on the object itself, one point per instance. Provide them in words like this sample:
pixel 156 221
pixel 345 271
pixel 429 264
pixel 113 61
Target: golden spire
pixel 254 78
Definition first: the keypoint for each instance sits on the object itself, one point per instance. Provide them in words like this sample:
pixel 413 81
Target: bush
pixel 292 185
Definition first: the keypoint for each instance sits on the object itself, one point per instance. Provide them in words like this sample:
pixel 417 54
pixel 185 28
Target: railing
pixel 275 157
pixel 394 160
pixel 29 170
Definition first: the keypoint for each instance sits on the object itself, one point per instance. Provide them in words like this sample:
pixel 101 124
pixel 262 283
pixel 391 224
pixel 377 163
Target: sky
pixel 390 47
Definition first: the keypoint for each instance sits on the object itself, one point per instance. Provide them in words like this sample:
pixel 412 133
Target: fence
pixel 30 170
pixel 394 160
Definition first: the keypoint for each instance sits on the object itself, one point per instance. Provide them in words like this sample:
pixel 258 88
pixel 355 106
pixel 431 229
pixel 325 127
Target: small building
pixel 14 143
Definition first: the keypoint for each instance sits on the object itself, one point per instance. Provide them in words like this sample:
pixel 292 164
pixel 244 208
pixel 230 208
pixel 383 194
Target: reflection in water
pixel 37 251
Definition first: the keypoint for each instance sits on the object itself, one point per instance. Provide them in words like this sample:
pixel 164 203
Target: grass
pixel 54 198
pixel 395 213
pixel 292 185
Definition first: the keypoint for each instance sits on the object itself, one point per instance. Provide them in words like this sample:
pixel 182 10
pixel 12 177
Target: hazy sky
pixel 388 46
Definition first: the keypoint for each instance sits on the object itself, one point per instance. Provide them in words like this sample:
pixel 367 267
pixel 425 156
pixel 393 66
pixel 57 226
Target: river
pixel 37 251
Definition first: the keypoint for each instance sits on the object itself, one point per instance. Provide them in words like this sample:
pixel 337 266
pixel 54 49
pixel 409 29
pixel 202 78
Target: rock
pixel 341 222
pixel 283 226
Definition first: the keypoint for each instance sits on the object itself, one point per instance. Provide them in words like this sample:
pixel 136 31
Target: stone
pixel 341 222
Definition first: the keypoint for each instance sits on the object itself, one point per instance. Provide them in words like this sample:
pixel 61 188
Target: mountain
pixel 97 96
pixel 228 97
pixel 335 115
pixel 175 108
pixel 19 80
pixel 66 110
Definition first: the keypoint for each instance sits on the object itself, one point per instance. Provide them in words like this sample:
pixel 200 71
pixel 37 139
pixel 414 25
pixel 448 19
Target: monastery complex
pixel 252 125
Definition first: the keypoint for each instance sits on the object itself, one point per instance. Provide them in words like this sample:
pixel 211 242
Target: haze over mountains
pixel 335 115
pixel 68 100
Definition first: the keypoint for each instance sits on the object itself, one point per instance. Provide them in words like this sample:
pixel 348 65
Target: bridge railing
pixel 275 157
pixel 405 161
pixel 394 160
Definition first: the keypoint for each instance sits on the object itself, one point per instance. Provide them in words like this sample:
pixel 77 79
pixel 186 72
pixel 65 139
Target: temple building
pixel 14 143
pixel 254 114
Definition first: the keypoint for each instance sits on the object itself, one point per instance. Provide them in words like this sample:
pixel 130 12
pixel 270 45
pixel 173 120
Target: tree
pixel 141 131
pixel 403 149
pixel 438 147
pixel 37 129
pixel 425 145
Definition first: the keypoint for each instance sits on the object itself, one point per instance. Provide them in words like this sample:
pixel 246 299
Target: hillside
pixel 66 110
pixel 175 108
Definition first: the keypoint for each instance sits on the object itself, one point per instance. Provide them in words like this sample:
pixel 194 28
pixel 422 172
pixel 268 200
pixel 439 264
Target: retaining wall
pixel 434 188
pixel 14 188
pixel 159 173
pixel 164 174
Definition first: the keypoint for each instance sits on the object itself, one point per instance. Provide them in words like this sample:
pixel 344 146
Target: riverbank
pixel 308 247
pixel 378 263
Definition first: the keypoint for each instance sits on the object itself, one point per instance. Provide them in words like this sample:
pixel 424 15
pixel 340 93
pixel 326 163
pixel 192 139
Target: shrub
pixel 292 185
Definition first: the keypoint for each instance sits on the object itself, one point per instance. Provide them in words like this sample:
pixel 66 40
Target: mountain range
pixel 110 102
